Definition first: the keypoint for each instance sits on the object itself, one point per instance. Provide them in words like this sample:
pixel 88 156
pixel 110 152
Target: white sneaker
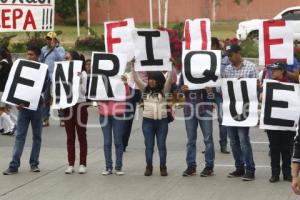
pixel 82 169
pixel 119 173
pixel 107 172
pixel 69 170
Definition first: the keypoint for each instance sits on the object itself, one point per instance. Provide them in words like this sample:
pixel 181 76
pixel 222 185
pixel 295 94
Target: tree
pixel 67 8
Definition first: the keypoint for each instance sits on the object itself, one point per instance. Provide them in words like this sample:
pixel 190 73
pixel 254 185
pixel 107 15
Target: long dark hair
pixel 160 83
pixel 76 56
pixel 5 54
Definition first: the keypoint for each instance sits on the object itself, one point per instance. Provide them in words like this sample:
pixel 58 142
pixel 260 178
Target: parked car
pixel 249 29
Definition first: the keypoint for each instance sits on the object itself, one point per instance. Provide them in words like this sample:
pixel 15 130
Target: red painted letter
pixel 188 39
pixel 5 18
pixel 17 14
pixel 110 40
pixel 268 41
pixel 29 20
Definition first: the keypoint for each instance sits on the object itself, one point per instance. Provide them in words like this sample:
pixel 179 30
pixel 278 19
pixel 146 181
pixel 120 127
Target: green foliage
pixel 179 27
pixel 67 8
pixel 249 48
pixel 18 47
pixel 72 21
pixel 5 40
pixel 92 42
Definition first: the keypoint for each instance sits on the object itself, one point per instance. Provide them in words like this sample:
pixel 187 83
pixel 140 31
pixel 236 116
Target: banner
pixel 118 37
pixel 152 50
pixel 66 83
pixel 197 34
pixel 276 42
pixel 240 102
pixel 280 106
pixel 105 81
pixel 201 69
pixel 27 15
pixel 25 83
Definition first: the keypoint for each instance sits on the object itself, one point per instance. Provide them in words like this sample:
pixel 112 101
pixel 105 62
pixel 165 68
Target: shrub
pixel 18 47
pixel 249 48
pixel 90 43
pixel 5 40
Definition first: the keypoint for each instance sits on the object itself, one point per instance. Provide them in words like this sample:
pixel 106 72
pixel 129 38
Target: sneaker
pixel 10 171
pixel 107 172
pixel 163 171
pixel 1 130
pixel 148 171
pixel 62 123
pixel 119 172
pixel 248 176
pixel 46 123
pixel 224 150
pixel 190 171
pixel 236 173
pixel 12 132
pixel 35 169
pixel 82 169
pixel 69 170
pixel 288 178
pixel 207 171
pixel 274 178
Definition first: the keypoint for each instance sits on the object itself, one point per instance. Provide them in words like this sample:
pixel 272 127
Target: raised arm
pixel 168 82
pixel 141 85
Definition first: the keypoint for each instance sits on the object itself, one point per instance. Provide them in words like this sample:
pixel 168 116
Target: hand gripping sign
pixel 275 42
pixel 25 83
pixel 152 50
pixel 118 37
pixel 105 81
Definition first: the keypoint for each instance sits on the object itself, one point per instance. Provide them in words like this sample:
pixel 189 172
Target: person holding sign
pixel 112 121
pixel 76 120
pixel 51 53
pixel 281 142
pixel 198 110
pixel 155 123
pixel 239 136
pixel 25 117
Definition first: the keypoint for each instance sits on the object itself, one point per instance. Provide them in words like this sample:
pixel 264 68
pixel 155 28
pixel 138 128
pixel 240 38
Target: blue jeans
pixel 112 125
pixel 46 105
pixel 130 112
pixel 241 147
pixel 206 125
pixel 24 118
pixel 158 128
pixel 222 128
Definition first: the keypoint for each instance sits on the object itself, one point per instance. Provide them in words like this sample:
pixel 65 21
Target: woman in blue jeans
pixel 112 119
pixel 155 121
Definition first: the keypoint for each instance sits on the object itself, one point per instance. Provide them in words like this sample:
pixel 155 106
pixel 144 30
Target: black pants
pixel 281 143
pixel 130 112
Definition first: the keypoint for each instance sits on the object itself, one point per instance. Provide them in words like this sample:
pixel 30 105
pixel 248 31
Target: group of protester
pixel 151 88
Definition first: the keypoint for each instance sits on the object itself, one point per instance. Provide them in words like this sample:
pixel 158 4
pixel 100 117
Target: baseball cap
pixel 233 48
pixel 278 65
pixel 51 35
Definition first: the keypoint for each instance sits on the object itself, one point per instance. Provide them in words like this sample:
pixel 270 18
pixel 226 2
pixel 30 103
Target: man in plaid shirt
pixel 239 136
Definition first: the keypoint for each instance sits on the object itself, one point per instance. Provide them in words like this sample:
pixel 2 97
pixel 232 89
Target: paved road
pixel 52 183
